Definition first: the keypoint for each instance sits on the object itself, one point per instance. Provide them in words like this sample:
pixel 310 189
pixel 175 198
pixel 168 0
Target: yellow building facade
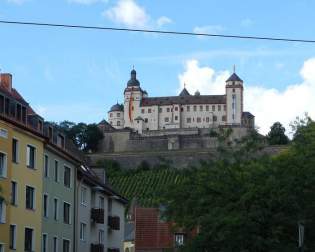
pixel 5 183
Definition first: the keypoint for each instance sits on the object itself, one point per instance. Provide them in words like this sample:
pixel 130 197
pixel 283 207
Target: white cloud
pixel 87 2
pixel 132 15
pixel 212 29
pixel 163 21
pixel 267 104
pixel 247 22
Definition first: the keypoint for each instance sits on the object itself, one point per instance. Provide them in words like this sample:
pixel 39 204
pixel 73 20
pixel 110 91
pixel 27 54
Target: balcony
pixel 97 248
pixel 113 250
pixel 114 222
pixel 97 215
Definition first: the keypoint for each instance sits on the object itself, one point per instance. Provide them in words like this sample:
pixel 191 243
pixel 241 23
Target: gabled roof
pixel 184 92
pixel 234 77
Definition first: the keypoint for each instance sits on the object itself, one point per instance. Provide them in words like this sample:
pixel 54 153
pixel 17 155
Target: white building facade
pixel 142 113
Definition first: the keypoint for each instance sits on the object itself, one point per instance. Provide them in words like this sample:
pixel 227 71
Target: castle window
pixel 188 108
pixel 160 110
pixel 145 120
pixel 118 123
pixel 167 109
pixel 207 119
pixel 223 118
pixel 188 120
pixel 176 108
pixel 215 118
pixel 201 108
pixel 219 107
pixel 213 107
pixel 207 107
pixel 118 114
pixel 176 118
pixel 166 119
pixel 195 108
pixel 198 120
pixel 149 110
pixel 111 115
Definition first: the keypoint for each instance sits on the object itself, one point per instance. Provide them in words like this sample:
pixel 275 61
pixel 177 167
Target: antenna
pixel 234 68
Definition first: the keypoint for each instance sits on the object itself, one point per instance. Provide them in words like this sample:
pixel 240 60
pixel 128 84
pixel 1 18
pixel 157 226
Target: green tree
pixel 276 135
pixel 249 202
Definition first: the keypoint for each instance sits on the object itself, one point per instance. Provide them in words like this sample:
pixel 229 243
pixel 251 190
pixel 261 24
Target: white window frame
pixel 70 179
pixel 101 239
pixel 5 170
pixel 46 242
pixel 55 249
pixel 83 227
pixel 83 200
pixel 46 169
pixel 47 206
pixel 4 133
pixel 34 198
pixel 16 193
pixel 100 199
pixel 33 237
pixel 28 156
pixel 17 150
pixel 2 247
pixel 15 237
pixel 63 211
pixel 57 209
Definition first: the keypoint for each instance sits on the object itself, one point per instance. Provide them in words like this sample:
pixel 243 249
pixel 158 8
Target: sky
pixel 77 75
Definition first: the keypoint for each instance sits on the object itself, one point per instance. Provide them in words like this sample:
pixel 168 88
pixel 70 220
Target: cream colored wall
pixel 21 216
pixel 5 183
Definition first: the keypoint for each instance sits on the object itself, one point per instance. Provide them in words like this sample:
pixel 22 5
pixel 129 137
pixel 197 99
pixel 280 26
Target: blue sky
pixel 78 74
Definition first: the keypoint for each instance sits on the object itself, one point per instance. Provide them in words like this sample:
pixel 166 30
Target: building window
pixel 30 156
pixel 55 209
pixel 82 231
pixel 12 237
pixel 101 236
pixel 188 108
pixel 118 123
pixel 66 213
pixel 213 107
pixel 223 118
pixel 67 176
pixel 30 197
pixel 149 110
pixel 2 211
pixel 167 109
pixel 179 239
pixel 198 120
pixel 29 240
pixel 142 111
pixel 132 108
pixel 160 110
pixel 44 243
pixel 145 120
pixel 233 90
pixel 3 133
pixel 201 108
pixel 101 202
pixel 176 118
pixel 56 171
pixel 109 206
pixel 111 115
pixel 215 118
pixel 118 114
pixel 45 203
pixel 46 164
pixel 166 119
pixel 13 193
pixel 207 107
pixel 61 141
pixel 224 107
pixel 15 150
pixel 195 108
pixel 3 165
pixel 207 119
pixel 182 109
pixel 83 196
pixel 176 108
pixel 65 246
pixel 188 120
pixel 55 244
pixel 219 107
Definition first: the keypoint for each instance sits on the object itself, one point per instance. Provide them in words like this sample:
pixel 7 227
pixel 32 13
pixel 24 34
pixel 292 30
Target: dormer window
pixel 50 132
pixel 61 140
pixel 40 126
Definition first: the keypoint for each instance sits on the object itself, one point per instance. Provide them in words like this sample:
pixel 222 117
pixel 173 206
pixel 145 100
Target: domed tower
pixel 133 96
pixel 116 116
pixel 234 99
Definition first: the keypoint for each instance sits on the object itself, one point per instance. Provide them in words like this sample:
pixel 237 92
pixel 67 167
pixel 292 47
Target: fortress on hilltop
pixel 183 123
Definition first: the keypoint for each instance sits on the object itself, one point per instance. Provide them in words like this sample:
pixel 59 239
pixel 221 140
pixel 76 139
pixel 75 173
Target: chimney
pixel 6 81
